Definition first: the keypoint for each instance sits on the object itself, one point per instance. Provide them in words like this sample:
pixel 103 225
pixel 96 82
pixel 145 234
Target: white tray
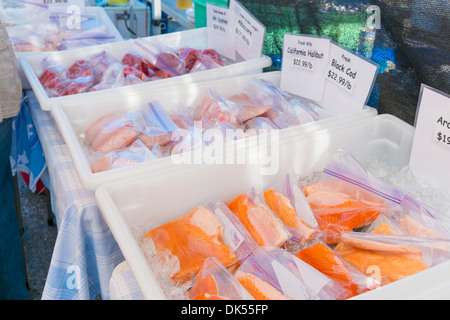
pixel 169 194
pixel 195 38
pixel 77 115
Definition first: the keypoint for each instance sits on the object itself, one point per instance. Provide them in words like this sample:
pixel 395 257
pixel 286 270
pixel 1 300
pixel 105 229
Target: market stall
pixel 134 140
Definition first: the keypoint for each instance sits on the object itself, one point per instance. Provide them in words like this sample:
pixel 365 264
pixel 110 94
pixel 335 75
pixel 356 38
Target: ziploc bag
pixel 388 257
pixel 274 274
pixel 34 37
pixel 215 282
pixel 137 152
pixel 111 132
pixel 262 224
pixel 320 285
pixel 283 199
pixel 154 124
pixel 19 12
pixel 235 109
pixel 206 231
pixel 348 197
pixel 160 56
pixel 324 259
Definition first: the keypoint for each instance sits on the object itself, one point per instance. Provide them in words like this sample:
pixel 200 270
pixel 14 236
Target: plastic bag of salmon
pixel 215 282
pixel 348 197
pixel 259 220
pixel 288 202
pixel 272 273
pixel 325 260
pixel 209 230
pixel 389 257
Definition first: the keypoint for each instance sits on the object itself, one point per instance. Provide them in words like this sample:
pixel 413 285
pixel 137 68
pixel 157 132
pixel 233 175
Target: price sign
pixel 249 32
pixel 349 81
pixel 304 61
pixel 430 153
pixel 220 25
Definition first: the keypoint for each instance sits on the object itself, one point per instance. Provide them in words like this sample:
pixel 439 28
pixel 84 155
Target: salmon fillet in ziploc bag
pixel 272 273
pixel 262 224
pixel 325 260
pixel 215 282
pixel 348 197
pixel 288 202
pixel 208 230
pixel 391 257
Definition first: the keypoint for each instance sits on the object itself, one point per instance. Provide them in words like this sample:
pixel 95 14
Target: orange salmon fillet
pixel 324 260
pixel 192 238
pixel 394 261
pixel 282 207
pixel 203 285
pixel 414 228
pixel 261 224
pixel 259 289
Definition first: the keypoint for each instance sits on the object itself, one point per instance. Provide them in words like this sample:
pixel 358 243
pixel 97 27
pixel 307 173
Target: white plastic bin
pixel 170 194
pixel 74 116
pixel 195 38
pixel 102 16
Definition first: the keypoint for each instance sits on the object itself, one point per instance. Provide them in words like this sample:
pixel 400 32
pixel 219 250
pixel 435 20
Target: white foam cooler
pixel 73 116
pixel 169 194
pixel 98 12
pixel 194 38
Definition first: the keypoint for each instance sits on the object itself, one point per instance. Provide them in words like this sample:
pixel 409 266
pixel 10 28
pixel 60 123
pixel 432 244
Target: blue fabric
pixel 12 269
pixel 26 151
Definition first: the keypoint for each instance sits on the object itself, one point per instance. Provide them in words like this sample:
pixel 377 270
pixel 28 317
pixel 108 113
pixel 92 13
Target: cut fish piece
pixel 326 261
pixel 192 239
pixel 414 228
pixel 259 221
pixel 204 284
pixel 259 289
pixel 111 132
pixel 282 207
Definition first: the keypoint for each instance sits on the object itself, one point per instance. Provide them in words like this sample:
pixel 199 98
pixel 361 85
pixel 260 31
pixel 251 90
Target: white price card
pixel 349 81
pixel 304 61
pixel 64 6
pixel 430 153
pixel 249 32
pixel 220 30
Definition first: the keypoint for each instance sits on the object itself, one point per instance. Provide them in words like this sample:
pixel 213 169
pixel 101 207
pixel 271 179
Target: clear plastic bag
pixel 34 37
pixel 160 56
pixel 137 152
pixel 215 282
pixel 348 197
pixel 262 224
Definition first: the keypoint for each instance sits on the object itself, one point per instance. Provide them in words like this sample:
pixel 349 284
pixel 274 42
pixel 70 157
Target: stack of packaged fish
pixel 32 27
pixel 145 61
pixel 343 235
pixel 116 140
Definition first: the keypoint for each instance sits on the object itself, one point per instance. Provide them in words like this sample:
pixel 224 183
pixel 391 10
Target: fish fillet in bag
pixel 111 132
pixel 391 257
pixel 287 201
pixel 262 224
pixel 206 231
pixel 348 197
pixel 324 259
pixel 215 282
pixel 137 152
pixel 154 124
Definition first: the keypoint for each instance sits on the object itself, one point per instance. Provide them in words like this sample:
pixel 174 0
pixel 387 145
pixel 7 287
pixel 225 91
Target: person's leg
pixel 12 269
